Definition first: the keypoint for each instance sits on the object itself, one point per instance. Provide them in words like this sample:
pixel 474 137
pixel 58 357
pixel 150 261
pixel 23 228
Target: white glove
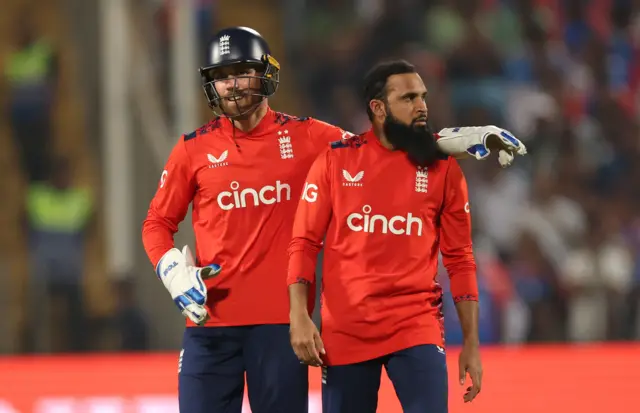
pixel 478 141
pixel 184 281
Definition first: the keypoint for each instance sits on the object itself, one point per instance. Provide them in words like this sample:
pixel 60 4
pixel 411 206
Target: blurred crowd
pixel 56 214
pixel 557 235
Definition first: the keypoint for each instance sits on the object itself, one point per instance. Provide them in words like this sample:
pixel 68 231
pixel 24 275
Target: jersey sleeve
pixel 169 205
pixel 455 236
pixel 311 222
pixel 322 133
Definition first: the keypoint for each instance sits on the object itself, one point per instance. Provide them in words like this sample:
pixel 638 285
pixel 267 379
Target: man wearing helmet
pixel 244 172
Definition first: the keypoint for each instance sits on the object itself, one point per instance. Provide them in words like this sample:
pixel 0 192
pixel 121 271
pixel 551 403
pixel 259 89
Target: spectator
pixel 58 215
pixel 130 322
pixel 596 276
pixel 31 72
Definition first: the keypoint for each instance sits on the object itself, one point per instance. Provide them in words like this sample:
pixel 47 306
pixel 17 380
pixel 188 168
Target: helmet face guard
pixel 268 77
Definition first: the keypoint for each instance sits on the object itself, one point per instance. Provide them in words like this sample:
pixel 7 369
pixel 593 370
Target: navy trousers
pixel 214 360
pixel 418 374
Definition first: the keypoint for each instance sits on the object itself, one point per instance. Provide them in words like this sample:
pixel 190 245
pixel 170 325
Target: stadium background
pixel 95 92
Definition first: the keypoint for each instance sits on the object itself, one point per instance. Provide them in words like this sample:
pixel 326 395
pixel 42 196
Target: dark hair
pixel 375 81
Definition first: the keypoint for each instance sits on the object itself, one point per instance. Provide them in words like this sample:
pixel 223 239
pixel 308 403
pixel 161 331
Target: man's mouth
pixel 237 96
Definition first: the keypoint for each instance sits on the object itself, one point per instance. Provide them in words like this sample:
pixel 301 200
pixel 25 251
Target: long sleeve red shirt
pixel 244 189
pixel 383 222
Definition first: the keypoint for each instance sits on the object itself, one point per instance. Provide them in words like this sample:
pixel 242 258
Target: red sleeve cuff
pixel 302 267
pixel 464 286
pixel 467 297
pixel 157 239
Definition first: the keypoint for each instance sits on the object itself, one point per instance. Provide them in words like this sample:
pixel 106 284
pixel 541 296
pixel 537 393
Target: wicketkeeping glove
pixel 185 282
pixel 479 141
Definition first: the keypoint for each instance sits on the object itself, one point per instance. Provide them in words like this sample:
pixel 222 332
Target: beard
pixel 241 108
pixel 417 141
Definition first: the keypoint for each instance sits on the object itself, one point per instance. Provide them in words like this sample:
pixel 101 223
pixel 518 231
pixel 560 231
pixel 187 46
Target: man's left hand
pixel 479 141
pixel 469 363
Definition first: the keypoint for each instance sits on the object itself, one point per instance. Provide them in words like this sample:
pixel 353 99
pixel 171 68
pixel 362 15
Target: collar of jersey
pixel 374 141
pixel 266 125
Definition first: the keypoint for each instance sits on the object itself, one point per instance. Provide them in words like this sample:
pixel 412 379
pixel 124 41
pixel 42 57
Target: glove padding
pixel 479 141
pixel 184 281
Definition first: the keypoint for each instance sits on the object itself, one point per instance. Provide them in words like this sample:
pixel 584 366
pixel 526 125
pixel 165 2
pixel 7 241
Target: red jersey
pixel 244 189
pixel 383 221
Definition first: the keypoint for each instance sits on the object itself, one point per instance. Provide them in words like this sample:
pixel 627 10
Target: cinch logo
pixel 240 198
pixel 397 225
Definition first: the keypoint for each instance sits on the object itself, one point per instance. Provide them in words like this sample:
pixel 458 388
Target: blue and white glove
pixel 185 282
pixel 479 141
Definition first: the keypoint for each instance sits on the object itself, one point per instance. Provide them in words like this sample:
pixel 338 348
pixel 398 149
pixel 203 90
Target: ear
pixel 378 108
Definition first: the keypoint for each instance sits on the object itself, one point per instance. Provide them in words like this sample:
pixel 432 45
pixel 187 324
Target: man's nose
pixel 421 107
pixel 229 83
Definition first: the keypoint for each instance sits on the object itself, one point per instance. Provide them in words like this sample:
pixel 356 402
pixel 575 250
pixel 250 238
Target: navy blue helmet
pixel 239 46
